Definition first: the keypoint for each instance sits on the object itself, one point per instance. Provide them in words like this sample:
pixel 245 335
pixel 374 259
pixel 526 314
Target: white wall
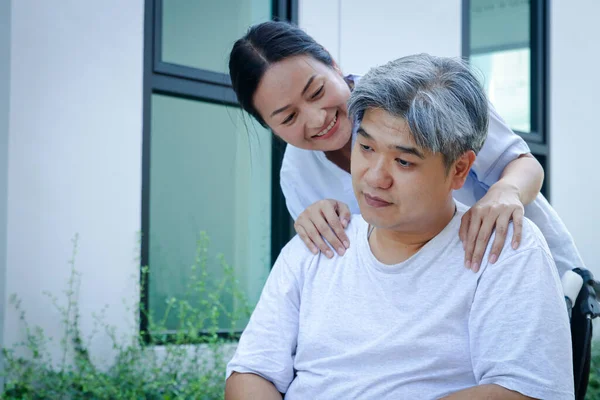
pixel 74 159
pixel 4 112
pixel 321 19
pixel 362 35
pixel 384 30
pixel 574 126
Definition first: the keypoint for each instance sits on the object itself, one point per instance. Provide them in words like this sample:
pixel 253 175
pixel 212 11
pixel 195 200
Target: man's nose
pixel 378 176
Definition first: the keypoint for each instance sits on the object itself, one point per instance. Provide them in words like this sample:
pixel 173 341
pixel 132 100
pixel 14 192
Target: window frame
pixel 201 85
pixel 538 139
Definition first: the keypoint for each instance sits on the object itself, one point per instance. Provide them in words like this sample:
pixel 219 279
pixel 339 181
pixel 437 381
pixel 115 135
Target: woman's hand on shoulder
pixel 494 211
pixel 324 219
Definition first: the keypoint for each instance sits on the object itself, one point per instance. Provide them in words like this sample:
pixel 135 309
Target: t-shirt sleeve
pixel 268 344
pixel 519 329
pixel 501 147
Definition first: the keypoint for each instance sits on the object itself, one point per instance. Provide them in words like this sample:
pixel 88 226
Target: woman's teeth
pixel 326 130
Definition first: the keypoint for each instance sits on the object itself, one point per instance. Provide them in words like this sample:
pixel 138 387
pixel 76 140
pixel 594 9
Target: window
pixel 505 41
pixel 208 171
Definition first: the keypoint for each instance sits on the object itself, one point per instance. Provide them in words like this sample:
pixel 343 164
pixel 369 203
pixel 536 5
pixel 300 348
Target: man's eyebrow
pixel 282 109
pixel 410 150
pixel 361 131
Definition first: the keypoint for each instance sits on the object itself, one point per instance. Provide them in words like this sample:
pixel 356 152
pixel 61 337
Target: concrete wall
pixel 574 128
pixel 4 127
pixel 361 36
pixel 75 160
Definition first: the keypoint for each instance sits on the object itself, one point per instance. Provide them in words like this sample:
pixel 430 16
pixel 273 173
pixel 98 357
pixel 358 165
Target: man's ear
pixel 460 169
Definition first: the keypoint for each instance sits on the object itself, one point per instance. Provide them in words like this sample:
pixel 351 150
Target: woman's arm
pixel 519 184
pixel 526 175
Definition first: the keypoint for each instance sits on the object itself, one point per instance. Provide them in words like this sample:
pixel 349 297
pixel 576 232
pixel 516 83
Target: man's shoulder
pixel 296 254
pixel 532 244
pixel 531 237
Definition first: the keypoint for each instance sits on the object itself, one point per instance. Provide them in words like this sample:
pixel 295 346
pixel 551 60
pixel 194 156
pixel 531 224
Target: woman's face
pixel 304 102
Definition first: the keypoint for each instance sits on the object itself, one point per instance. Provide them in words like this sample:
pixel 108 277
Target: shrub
pixel 189 364
pixel 593 390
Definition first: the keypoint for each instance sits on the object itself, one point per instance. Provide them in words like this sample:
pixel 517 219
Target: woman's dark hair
pixel 263 45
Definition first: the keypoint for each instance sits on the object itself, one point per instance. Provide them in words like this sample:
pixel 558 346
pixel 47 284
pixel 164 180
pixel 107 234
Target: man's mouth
pixel 375 201
pixel 329 129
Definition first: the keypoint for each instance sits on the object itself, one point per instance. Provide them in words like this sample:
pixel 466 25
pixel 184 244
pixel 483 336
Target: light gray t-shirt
pixel 354 328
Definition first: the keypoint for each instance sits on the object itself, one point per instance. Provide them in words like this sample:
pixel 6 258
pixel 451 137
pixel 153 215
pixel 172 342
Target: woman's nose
pixel 316 117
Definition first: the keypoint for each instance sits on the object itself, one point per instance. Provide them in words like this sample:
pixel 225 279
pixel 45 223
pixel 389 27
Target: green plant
pixel 593 390
pixel 149 365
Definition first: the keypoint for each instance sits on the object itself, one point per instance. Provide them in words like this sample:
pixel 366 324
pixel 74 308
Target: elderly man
pixel 399 317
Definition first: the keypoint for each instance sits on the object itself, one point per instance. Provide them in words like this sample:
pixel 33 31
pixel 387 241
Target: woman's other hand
pixel 324 219
pixel 493 212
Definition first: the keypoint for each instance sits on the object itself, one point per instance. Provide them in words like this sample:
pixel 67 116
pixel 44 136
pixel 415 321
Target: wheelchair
pixel 581 312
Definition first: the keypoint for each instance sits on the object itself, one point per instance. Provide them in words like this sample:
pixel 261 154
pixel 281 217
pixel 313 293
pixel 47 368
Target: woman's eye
pixel 403 163
pixel 317 93
pixel 365 147
pixel 289 118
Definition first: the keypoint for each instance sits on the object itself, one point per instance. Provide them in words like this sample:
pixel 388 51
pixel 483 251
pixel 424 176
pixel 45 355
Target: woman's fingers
pixel 501 230
pixel 305 238
pixel 312 232
pixel 465 221
pixel 324 219
pixel 517 217
pixel 344 212
pixel 482 240
pixel 334 230
pixel 480 229
pixel 472 232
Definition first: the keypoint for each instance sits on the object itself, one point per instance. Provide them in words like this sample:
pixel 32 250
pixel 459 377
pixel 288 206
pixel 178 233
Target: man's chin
pixel 377 221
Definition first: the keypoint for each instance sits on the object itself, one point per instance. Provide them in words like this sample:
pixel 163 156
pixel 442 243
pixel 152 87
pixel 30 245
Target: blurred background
pixel 118 124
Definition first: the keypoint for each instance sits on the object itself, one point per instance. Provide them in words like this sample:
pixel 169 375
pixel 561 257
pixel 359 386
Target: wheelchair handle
pixel 571 283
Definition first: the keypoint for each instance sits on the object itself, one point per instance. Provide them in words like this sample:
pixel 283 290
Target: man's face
pixel 399 186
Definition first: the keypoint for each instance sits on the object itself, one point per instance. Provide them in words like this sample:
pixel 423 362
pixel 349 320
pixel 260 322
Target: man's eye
pixel 289 118
pixel 365 147
pixel 403 163
pixel 317 93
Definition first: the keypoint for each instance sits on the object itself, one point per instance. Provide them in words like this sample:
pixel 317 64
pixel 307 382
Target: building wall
pixel 4 112
pixel 574 128
pixel 361 36
pixel 75 160
pixel 321 19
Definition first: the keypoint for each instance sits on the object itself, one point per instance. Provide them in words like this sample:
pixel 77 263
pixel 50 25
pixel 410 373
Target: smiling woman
pixel 304 101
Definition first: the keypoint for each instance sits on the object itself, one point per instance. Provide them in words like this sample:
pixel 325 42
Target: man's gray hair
pixel 442 101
